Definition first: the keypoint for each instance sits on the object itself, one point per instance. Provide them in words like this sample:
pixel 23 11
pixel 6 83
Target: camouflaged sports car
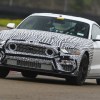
pixel 52 44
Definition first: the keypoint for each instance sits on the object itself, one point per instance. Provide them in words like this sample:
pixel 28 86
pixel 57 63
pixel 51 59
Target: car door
pixel 95 67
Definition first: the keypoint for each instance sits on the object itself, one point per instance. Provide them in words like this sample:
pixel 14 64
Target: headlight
pixel 2 41
pixel 72 51
pixel 64 51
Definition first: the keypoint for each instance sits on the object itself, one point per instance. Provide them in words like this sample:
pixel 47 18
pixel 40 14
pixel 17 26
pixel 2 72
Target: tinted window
pixel 59 25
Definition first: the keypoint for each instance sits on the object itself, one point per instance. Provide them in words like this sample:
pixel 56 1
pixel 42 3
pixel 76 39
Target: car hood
pixel 44 37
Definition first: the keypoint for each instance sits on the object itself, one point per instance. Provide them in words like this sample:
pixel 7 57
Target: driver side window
pixel 95 31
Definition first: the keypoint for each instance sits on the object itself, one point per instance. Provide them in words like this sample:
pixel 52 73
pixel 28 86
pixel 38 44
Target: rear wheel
pixel 82 73
pixel 98 81
pixel 29 74
pixel 3 72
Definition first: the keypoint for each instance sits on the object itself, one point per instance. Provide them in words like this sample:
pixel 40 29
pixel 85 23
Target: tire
pixel 82 73
pixel 28 74
pixel 3 72
pixel 98 81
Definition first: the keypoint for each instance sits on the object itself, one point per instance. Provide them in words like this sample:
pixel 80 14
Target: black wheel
pixel 82 73
pixel 29 74
pixel 3 72
pixel 98 81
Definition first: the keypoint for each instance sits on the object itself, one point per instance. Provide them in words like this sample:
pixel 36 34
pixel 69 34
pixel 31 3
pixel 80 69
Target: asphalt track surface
pixel 16 87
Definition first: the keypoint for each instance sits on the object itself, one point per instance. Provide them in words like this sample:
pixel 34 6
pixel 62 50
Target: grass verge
pixel 4 22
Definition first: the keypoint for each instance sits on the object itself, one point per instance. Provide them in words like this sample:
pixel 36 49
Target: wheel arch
pixel 87 54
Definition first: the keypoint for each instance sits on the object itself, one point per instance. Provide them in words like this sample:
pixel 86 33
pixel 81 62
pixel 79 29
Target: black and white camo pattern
pixel 54 39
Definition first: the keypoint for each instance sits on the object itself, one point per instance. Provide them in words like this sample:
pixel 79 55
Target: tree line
pixel 80 6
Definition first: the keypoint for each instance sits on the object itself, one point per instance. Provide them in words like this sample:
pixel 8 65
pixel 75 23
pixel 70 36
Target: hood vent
pixel 18 40
pixel 44 43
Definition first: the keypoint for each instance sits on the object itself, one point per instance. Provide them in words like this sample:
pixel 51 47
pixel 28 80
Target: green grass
pixel 4 22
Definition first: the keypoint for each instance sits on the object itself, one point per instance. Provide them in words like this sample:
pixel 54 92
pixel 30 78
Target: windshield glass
pixel 58 25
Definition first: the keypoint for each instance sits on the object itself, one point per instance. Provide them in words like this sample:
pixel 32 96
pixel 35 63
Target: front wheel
pixel 82 73
pixel 3 72
pixel 98 81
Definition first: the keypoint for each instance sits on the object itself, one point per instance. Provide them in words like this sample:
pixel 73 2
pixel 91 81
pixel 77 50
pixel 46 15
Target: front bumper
pixel 40 64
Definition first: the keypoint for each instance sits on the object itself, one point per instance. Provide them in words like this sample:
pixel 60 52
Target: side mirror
pixel 97 38
pixel 11 25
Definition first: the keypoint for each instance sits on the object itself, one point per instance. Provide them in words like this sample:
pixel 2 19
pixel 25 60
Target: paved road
pixel 2 28
pixel 15 87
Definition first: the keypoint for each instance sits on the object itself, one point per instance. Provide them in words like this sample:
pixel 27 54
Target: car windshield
pixel 58 25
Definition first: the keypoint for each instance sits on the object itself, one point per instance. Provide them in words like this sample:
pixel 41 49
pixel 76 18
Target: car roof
pixel 66 17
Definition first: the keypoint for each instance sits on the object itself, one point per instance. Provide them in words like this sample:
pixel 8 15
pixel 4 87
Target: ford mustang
pixel 54 45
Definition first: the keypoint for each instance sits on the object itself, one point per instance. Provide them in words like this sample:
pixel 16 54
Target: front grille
pixel 31 49
pixel 67 68
pixel 28 64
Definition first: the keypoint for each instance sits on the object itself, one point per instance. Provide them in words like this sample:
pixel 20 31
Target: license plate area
pixel 28 64
pixel 12 62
